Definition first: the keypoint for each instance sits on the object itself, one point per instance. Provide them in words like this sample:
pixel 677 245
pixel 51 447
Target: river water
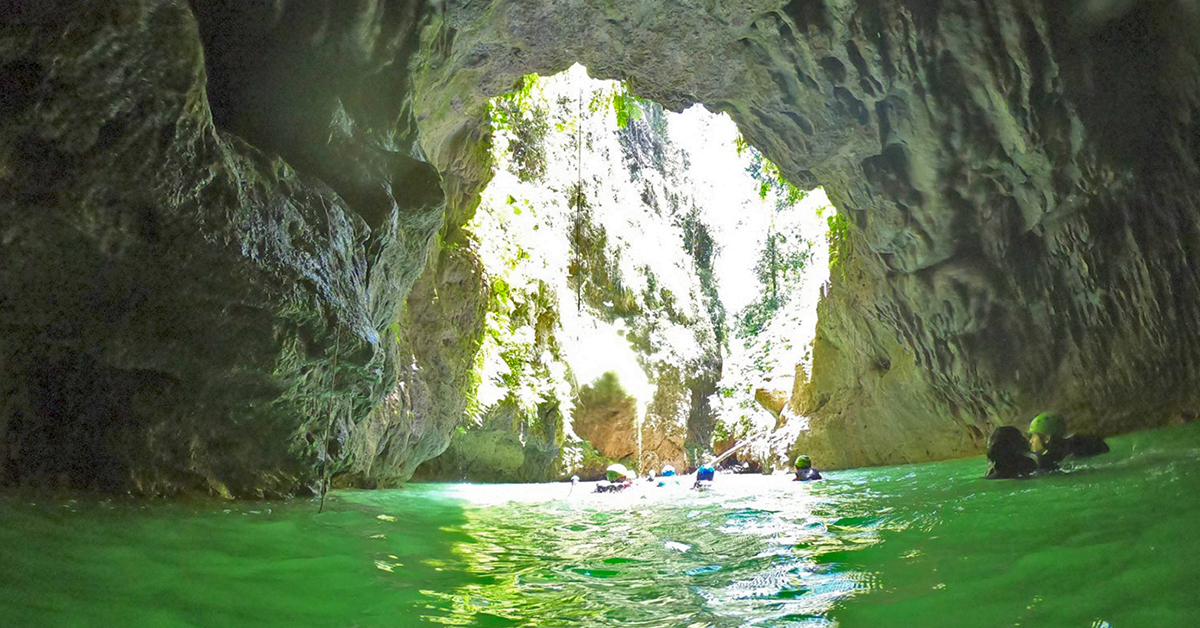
pixel 1112 542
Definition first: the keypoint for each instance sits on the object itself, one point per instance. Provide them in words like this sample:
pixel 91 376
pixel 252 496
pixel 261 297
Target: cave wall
pixel 1037 251
pixel 207 209
pixel 434 341
pixel 183 310
pixel 1019 178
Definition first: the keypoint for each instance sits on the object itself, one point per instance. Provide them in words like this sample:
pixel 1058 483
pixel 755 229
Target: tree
pixel 780 264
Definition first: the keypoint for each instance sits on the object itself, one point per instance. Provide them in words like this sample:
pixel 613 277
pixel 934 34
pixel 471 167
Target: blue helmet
pixel 668 471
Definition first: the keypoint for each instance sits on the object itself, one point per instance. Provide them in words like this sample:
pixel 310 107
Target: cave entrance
pixel 650 276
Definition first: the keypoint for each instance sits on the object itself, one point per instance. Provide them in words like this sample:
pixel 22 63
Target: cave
pixel 228 230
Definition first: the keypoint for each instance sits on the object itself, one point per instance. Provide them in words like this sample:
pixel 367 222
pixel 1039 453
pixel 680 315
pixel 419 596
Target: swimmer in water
pixel 668 476
pixel 1010 455
pixel 805 471
pixel 704 477
pixel 616 478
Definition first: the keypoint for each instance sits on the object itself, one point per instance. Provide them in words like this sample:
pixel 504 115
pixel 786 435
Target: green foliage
pixel 740 144
pixel 770 179
pixel 523 117
pixel 624 105
pixel 779 265
pixel 594 271
pixel 839 240
pixel 518 331
pixel 753 319
pixel 738 429
pixel 605 391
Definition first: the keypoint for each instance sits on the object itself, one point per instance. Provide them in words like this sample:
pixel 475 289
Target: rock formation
pixel 176 301
pixel 1019 179
pixel 606 417
pixel 212 214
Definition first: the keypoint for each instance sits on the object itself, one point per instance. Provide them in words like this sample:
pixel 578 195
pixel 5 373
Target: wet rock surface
pixel 506 447
pixel 1020 180
pixel 175 301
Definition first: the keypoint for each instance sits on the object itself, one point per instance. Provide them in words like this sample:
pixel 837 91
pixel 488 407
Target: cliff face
pixel 589 237
pixel 175 301
pixel 211 216
pixel 1019 179
pixel 1036 246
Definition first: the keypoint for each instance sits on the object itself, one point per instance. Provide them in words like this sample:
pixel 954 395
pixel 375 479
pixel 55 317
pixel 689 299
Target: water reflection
pixel 1108 543
pixel 754 552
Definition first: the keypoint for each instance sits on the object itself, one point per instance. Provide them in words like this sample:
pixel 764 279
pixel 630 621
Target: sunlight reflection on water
pixel 747 553
pixel 1108 543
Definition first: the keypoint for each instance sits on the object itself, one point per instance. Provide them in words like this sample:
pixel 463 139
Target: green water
pixel 1111 542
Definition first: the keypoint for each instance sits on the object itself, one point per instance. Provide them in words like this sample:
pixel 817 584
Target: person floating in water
pixel 1048 439
pixel 1010 455
pixel 668 476
pixel 805 471
pixel 704 477
pixel 616 478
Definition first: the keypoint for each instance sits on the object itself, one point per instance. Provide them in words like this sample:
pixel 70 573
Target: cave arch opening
pixel 649 275
pixel 1004 214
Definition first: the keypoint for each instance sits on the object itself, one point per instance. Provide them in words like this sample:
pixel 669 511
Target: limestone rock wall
pixel 503 448
pixel 1019 178
pixel 1037 251
pixel 208 210
pixel 171 295
pixel 434 341
pixel 204 207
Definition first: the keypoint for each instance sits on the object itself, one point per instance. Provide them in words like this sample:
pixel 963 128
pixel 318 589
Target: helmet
pixel 1048 424
pixel 803 462
pixel 668 471
pixel 616 472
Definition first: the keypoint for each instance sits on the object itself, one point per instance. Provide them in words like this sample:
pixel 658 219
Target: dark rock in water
pixel 1009 455
pixel 733 465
